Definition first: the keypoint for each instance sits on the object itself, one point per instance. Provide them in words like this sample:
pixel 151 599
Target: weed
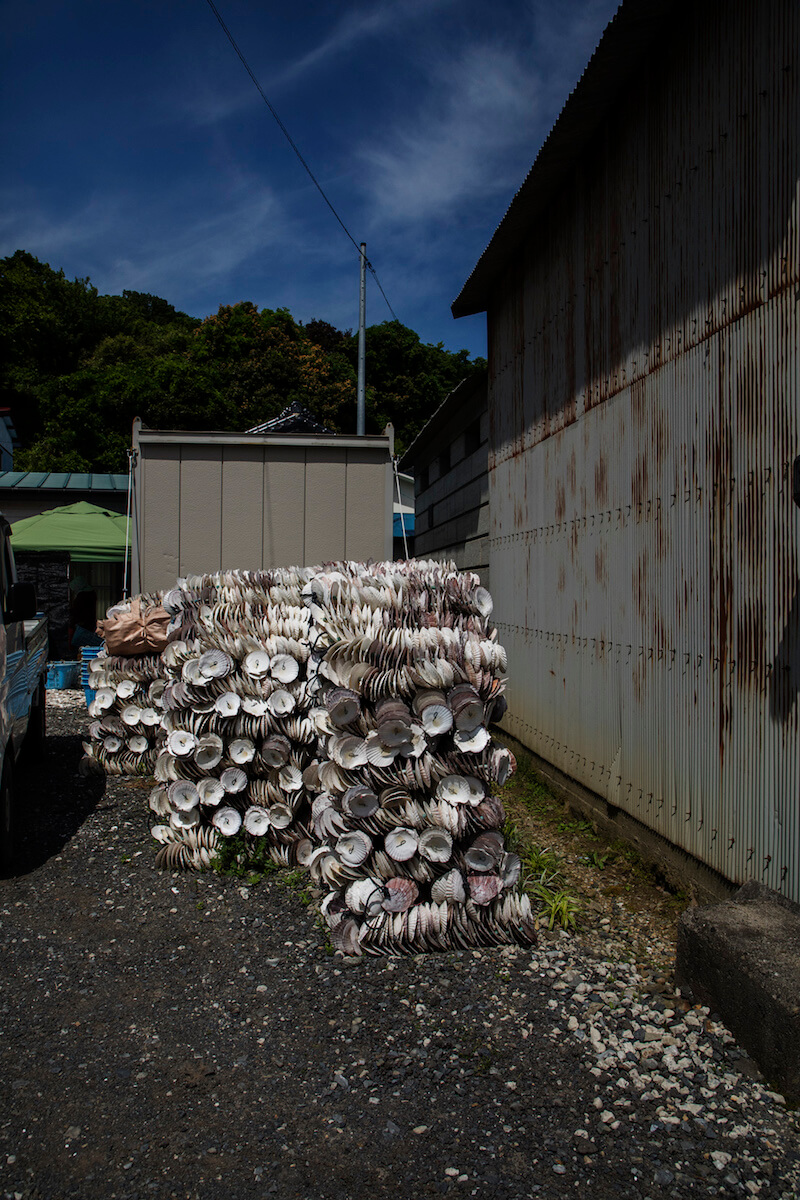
pixel 557 906
pixel 598 860
pixel 577 825
pixel 245 858
pixel 511 834
pixel 538 861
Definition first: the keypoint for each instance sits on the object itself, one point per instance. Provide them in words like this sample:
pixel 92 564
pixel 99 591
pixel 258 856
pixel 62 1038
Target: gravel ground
pixel 185 1036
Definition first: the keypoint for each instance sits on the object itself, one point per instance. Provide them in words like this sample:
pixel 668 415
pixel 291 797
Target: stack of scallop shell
pixel 125 730
pixel 237 739
pixel 406 676
pixel 340 715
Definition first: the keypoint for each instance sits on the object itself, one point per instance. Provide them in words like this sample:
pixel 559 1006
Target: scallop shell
pixel 181 743
pixel 343 706
pixel 401 893
pixel 191 672
pixel 280 702
pixel 228 704
pixel 227 820
pixel 437 719
pixel 254 706
pixel 467 707
pixel 165 769
pixel 359 802
pixel 436 845
pixel 354 848
pixel 210 791
pixel 103 700
pixel 233 779
pixel 471 741
pixel 183 795
pixel 131 714
pixel 284 668
pixel 483 888
pixel 449 888
pixel 125 689
pixel 290 778
pixel 208 751
pixel 510 869
pixel 138 744
pixel 256 664
pixel 275 750
pixel 181 818
pixel 377 754
pixel 241 751
pixel 401 844
pixel 455 789
pixel 257 820
pixel 364 896
pixel 503 765
pixel 349 752
pixel 345 938
pixel 215 664
pixel 479 860
pixel 280 815
pixel 158 801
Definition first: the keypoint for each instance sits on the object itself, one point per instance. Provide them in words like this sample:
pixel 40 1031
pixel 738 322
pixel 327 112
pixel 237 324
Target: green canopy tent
pixel 86 531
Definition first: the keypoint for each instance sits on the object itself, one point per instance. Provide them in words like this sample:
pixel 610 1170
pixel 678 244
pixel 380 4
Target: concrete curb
pixel 742 959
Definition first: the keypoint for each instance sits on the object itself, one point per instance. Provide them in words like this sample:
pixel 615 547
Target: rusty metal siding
pixel 644 397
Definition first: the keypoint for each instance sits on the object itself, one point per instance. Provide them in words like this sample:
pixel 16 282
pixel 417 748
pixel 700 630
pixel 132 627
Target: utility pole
pixel 362 344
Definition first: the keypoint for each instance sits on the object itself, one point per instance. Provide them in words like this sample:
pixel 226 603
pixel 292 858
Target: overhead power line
pixel 292 143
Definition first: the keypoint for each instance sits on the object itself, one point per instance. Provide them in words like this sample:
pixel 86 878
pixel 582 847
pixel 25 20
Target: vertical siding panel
pixel 284 506
pixel 326 505
pixel 201 493
pixel 242 488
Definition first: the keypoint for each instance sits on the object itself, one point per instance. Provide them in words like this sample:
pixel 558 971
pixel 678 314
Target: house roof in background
pixel 447 409
pixel 71 481
pixel 622 50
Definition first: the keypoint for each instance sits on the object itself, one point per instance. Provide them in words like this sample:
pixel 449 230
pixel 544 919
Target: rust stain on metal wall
pixel 645 400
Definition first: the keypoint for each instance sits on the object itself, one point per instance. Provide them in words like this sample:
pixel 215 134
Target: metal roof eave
pixel 449 406
pixel 340 441
pixel 628 36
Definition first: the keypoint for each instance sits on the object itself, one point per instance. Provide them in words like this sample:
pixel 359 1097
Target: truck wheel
pixel 6 819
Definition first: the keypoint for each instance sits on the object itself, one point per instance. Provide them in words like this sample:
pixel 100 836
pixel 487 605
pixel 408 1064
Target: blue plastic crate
pixel 61 675
pixel 88 653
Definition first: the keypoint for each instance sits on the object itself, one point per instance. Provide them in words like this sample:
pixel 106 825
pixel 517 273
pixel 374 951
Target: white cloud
pixel 356 25
pixel 172 244
pixel 464 142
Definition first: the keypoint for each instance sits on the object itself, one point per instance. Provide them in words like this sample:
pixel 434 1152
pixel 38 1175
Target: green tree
pixel 77 367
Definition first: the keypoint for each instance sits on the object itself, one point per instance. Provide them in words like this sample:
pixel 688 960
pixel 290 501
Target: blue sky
pixel 137 151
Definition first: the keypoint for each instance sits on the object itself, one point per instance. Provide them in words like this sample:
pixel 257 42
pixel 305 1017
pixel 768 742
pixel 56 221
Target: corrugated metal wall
pixel 213 503
pixel 644 398
pixel 452 508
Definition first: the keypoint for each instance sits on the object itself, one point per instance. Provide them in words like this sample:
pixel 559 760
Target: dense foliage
pixel 77 367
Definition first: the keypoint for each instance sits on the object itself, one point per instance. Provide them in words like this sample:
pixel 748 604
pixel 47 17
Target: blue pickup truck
pixel 23 665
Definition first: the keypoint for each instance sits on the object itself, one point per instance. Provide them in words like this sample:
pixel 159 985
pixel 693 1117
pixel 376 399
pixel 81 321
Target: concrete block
pixel 741 958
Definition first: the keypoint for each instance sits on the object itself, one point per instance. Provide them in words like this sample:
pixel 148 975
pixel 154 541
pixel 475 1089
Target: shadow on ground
pixel 51 801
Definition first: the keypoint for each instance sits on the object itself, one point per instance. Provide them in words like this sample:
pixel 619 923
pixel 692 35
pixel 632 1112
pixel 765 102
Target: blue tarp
pixel 401 519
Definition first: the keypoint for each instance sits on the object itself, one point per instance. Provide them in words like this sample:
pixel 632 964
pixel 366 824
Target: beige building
pixel 216 501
